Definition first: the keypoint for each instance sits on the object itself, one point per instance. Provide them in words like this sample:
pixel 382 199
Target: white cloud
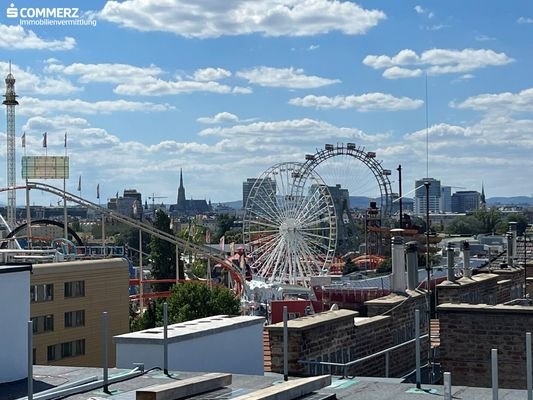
pixel 211 74
pixel 500 103
pixel 293 78
pixel 483 38
pixel 524 20
pixel 29 83
pixel 221 117
pixel 436 27
pixel 419 9
pixel 436 62
pixel 285 131
pixel 15 37
pixel 313 47
pixel 424 11
pixel 132 80
pixel 364 102
pixel 211 19
pixel 399 72
pixel 34 106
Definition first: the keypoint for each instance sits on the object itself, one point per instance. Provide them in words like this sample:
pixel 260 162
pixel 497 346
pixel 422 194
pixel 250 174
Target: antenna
pixel 427 129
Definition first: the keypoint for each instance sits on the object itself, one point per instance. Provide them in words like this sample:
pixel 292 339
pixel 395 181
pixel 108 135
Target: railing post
pixel 494 368
pixel 285 345
pixel 105 334
pixel 529 367
pixel 447 386
pixel 387 364
pixel 165 338
pixel 417 347
pixel 30 360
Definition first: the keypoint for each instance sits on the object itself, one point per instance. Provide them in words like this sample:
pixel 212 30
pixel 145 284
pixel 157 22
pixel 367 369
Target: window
pixel 74 318
pixel 68 349
pixel 43 323
pixel 75 289
pixel 42 292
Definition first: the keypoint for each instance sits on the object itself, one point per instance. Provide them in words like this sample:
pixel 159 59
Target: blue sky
pixel 226 89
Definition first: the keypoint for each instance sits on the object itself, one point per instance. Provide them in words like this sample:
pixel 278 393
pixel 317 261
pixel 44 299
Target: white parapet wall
pixel 213 344
pixel 15 310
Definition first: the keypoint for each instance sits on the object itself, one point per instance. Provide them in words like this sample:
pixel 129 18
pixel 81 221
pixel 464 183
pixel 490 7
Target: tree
pixel 224 224
pixel 163 253
pixel 465 225
pixel 521 223
pixel 489 219
pixel 349 267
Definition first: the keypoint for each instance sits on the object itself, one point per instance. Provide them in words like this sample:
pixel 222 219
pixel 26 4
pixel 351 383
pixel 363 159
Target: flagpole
pixel 65 216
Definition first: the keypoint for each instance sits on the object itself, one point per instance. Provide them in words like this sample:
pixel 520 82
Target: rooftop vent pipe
pixel 465 247
pixel 510 249
pixel 450 255
pixel 411 251
pixel 513 226
pixel 398 263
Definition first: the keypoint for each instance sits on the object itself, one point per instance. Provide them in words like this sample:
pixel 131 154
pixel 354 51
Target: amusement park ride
pixel 291 226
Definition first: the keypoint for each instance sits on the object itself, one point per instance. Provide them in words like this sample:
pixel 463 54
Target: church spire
pixel 483 201
pixel 181 194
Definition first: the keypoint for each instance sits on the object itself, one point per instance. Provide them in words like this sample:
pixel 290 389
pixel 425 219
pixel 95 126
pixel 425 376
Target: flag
pixel 79 184
pixel 65 140
pixel 24 140
pixel 221 243
pixel 98 191
pixel 44 140
pixel 208 236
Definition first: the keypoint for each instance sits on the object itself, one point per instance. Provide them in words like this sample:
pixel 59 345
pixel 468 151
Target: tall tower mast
pixel 10 102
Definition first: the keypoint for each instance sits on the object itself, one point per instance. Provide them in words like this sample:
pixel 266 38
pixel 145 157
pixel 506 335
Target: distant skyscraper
pixel 446 199
pixel 434 196
pixel 266 189
pixel 464 201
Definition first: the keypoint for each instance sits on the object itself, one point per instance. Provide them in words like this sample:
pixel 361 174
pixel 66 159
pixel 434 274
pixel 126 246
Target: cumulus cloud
pixel 132 80
pixel 28 82
pixel 293 78
pixel 211 19
pixel 15 37
pixel 222 117
pixel 35 106
pixel 499 103
pixel 524 20
pixel 364 102
pixel 436 62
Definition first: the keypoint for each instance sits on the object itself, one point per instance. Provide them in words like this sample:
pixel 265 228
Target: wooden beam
pixel 184 388
pixel 289 390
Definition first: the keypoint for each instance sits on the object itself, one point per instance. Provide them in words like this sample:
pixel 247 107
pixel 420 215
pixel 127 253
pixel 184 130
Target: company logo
pixel 42 12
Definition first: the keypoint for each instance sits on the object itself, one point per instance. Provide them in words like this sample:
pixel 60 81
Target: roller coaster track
pixel 147 228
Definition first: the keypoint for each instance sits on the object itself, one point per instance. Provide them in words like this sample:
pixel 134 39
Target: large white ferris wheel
pixel 289 225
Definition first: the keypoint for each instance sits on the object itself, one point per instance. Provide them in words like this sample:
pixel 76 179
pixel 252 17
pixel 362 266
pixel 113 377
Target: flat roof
pixel 6 269
pixel 357 388
pixel 313 320
pixel 190 329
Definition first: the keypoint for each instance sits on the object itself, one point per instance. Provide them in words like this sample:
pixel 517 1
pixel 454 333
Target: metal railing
pixel 347 365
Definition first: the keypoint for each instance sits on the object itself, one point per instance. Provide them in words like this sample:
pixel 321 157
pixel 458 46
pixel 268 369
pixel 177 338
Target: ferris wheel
pixel 289 227
pixel 361 191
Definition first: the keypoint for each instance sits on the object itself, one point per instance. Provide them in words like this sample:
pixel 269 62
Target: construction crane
pixel 153 197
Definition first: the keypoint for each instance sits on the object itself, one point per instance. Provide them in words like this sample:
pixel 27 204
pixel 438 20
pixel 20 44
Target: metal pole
pixel 525 265
pixel 141 300
pixel 387 364
pixel 65 217
pixel 28 215
pixel 400 195
pixel 30 360
pixel 177 264
pixel 165 338
pixel 529 369
pixel 103 235
pixel 427 184
pixel 447 386
pixel 494 359
pixel 417 347
pixel 105 361
pixel 285 344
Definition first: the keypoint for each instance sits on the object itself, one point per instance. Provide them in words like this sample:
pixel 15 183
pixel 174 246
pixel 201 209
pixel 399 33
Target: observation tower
pixel 10 102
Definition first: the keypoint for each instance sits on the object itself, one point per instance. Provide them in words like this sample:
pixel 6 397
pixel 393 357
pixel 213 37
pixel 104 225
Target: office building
pixel 466 200
pixel 421 198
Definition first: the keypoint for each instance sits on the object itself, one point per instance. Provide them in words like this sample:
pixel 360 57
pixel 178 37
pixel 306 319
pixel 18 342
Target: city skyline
pixel 226 90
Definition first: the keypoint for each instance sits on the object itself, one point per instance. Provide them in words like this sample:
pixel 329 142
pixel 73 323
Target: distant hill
pixel 516 200
pixel 237 204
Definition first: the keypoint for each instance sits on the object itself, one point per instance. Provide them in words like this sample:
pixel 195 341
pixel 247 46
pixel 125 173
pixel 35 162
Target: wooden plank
pixel 185 388
pixel 289 390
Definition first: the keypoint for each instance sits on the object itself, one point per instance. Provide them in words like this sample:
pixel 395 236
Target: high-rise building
pixel 434 196
pixel 466 200
pixel 266 187
pixel 446 199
